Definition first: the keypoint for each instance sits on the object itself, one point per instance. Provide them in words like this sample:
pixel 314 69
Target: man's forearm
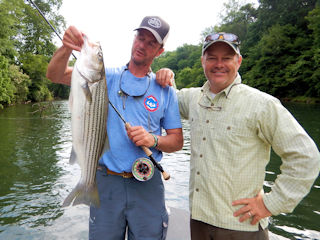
pixel 172 142
pixel 58 70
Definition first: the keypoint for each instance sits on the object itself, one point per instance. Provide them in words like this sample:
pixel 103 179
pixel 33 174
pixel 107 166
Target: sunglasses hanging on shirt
pixel 135 87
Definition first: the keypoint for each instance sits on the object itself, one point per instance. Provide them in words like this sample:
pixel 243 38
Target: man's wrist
pixel 155 140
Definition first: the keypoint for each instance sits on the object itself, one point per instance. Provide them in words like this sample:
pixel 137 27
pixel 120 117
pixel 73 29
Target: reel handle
pixel 165 175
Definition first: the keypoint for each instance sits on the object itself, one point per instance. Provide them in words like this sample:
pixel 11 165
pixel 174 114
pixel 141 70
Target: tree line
pixel 280 44
pixel 26 46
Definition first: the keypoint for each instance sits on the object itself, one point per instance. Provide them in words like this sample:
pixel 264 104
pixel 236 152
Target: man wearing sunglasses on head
pixel 233 127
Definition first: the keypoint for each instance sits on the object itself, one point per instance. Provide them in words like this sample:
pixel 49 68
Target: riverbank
pixel 301 99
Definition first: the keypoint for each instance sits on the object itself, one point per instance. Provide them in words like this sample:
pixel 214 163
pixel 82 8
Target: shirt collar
pixel 133 86
pixel 206 100
pixel 226 91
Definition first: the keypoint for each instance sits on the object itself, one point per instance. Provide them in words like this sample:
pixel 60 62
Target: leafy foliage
pixel 26 45
pixel 6 86
pixel 36 66
pixel 280 45
pixel 186 64
pixel 21 83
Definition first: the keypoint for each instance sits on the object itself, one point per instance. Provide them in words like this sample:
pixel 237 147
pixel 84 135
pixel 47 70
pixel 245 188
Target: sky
pixel 112 23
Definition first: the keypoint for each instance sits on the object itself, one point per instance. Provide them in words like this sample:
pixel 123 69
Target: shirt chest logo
pixel 151 103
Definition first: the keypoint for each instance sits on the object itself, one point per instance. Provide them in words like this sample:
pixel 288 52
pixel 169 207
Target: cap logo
pixel 154 22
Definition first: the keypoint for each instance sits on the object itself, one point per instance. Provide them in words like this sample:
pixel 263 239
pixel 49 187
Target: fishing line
pixel 47 22
pixel 147 151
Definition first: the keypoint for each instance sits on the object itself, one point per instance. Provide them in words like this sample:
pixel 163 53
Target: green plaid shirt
pixel 231 140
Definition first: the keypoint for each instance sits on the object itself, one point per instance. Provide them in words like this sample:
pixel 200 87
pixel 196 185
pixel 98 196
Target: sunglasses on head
pixel 230 37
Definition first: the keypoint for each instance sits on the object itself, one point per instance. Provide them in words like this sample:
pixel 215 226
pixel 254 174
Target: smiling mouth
pixel 219 72
pixel 140 53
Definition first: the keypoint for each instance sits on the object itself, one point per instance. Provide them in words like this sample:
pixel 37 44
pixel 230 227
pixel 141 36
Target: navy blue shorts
pixel 129 203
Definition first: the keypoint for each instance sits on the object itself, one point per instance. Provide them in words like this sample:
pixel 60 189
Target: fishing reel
pixel 142 169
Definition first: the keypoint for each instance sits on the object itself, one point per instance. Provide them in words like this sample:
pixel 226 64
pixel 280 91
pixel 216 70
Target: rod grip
pixel 165 175
pixel 146 150
pixel 127 125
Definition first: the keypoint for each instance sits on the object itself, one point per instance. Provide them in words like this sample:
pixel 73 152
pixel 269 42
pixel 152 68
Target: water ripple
pixel 36 177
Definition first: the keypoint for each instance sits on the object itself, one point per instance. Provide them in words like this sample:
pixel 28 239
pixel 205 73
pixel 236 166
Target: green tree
pixel 271 12
pixel 191 77
pixel 185 62
pixel 6 87
pixel 26 41
pixel 35 34
pixel 272 58
pixel 59 91
pixel 314 53
pixel 237 18
pixel 36 66
pixel 21 83
pixel 10 12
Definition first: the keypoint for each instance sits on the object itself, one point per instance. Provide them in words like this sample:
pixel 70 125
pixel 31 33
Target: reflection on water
pixel 36 177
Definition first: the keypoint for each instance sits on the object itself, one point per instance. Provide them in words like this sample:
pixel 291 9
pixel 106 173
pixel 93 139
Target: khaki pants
pixel 204 231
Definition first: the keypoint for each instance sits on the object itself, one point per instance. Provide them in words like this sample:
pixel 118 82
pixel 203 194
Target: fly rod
pixel 147 151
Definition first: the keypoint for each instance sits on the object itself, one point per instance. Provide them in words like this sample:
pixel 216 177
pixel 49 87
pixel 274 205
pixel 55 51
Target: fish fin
pixel 89 196
pixel 74 193
pixel 86 91
pixel 73 156
pixel 83 195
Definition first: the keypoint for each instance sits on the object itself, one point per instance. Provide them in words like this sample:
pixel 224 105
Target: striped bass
pixel 89 107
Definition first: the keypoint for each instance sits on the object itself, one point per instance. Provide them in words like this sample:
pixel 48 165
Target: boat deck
pixel 179 226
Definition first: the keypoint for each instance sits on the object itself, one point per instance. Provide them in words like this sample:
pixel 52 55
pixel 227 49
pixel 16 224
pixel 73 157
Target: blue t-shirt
pixel 145 104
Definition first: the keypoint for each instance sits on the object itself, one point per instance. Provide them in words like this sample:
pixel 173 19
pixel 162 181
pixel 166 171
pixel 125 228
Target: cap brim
pixel 155 34
pixel 234 47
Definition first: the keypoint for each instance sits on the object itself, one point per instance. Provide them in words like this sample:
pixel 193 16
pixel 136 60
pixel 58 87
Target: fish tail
pixel 82 194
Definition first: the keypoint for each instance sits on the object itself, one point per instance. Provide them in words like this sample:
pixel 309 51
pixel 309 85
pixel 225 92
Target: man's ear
pixel 161 50
pixel 202 59
pixel 239 61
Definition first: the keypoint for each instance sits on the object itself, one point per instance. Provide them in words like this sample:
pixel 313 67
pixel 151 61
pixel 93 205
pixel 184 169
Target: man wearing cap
pixel 232 129
pixel 127 204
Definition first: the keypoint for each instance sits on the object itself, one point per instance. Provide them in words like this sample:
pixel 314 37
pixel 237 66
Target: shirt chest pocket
pixel 222 124
pixel 236 128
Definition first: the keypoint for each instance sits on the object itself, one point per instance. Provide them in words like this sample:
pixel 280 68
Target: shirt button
pixel 198 173
pixel 201 155
pixel 228 128
pixel 197 189
pixel 204 139
pixel 207 121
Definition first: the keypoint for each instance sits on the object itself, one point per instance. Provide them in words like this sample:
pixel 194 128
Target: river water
pixel 36 177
